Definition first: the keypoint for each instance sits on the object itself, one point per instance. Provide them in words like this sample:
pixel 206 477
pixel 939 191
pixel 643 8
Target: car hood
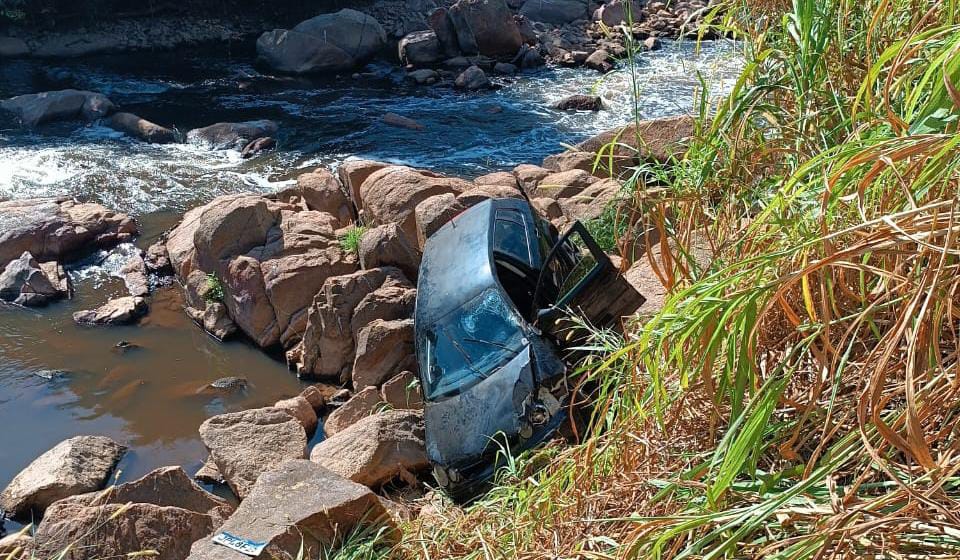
pixel 459 428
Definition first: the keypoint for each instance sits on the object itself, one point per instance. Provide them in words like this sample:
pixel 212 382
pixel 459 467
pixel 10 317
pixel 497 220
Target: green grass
pixel 213 289
pixel 350 241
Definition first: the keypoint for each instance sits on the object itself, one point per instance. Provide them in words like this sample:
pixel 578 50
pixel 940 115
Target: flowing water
pixel 59 380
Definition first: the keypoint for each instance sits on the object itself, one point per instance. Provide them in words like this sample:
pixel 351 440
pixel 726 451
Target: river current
pixel 58 380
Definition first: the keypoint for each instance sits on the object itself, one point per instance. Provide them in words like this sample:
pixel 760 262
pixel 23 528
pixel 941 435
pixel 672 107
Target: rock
pixel 457 63
pixel 11 47
pixel 554 11
pixel 269 259
pixel 500 178
pixel 504 69
pixel 384 349
pixel 599 60
pixel 234 136
pixel 321 191
pixel 74 466
pixel 388 245
pixel 529 176
pixel 134 274
pixel 652 44
pixel 23 282
pixel 163 512
pixel 473 78
pixel 140 128
pixel 58 229
pixel 446 34
pixel 37 108
pixel 227 385
pixel 315 395
pixel 300 509
pixel 157 260
pixel 570 160
pixel 547 207
pixel 424 76
pixel 592 201
pixel 402 391
pixel 421 48
pixel 245 444
pixel 15 546
pixel 119 311
pixel 433 213
pixel 327 348
pixel 400 121
pixel 325 43
pixel 255 147
pixel 656 140
pixel 480 193
pixel 376 449
pixel 579 103
pixel 391 195
pixel 209 473
pixel 301 409
pixel 564 184
pixel 485 27
pixel 359 406
pixel 353 172
pixel 528 57
pixel 616 12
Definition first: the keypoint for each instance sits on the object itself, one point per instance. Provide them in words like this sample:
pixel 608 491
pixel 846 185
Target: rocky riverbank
pixel 278 269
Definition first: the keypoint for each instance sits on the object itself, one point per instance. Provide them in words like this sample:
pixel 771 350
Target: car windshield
pixel 469 344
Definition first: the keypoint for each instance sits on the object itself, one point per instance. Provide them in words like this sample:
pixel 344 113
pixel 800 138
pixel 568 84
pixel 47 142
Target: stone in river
pixel 120 311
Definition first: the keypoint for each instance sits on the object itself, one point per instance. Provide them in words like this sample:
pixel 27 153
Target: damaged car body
pixel 493 284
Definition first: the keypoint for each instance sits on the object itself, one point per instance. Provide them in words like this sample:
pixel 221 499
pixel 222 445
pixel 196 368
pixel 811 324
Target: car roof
pixel 457 261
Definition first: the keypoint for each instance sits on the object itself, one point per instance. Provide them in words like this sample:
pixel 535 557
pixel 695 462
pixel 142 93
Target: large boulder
pixel 301 409
pixel 391 195
pixel 556 12
pixel 326 43
pixel 245 444
pixel 433 213
pixel 616 12
pixel 473 78
pixel 141 128
pixel 352 174
pixel 376 449
pixel 442 26
pixel 75 466
pixel 656 140
pixel 59 229
pixel 387 245
pixel 591 202
pixel 24 281
pixel 563 184
pixel 299 509
pixel 321 191
pixel 119 311
pixel 37 108
pixel 344 305
pixel 228 135
pixel 402 391
pixel 163 512
pixel 384 349
pixel 270 259
pixel 421 48
pixel 485 27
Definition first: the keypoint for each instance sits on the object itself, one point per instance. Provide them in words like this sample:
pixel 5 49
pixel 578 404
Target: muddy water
pixel 59 380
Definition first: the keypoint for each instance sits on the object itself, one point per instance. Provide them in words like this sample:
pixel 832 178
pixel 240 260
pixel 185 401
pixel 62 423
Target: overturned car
pixel 494 283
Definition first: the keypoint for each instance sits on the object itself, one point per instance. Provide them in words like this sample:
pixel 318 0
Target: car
pixel 494 285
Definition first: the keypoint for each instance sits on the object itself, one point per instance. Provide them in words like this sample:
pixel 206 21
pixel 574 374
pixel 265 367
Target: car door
pixel 578 276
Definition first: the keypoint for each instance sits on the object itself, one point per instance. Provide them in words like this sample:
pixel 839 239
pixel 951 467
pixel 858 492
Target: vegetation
pixel 350 241
pixel 797 396
pixel 213 291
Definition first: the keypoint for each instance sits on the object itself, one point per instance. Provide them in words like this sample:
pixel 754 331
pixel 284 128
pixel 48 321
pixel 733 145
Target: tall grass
pixel 797 396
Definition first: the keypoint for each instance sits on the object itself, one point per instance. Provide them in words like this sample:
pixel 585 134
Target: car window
pixel 510 236
pixel 469 344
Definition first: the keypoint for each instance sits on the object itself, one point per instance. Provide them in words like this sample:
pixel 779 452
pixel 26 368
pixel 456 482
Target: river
pixel 58 380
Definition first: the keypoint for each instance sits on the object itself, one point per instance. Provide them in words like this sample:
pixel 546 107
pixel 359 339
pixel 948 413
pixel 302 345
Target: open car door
pixel 578 276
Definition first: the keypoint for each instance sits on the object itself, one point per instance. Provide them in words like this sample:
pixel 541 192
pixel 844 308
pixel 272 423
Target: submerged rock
pixel 75 466
pixel 232 135
pixel 141 128
pixel 245 444
pixel 37 108
pixel 400 121
pixel 258 146
pixel 120 311
pixel 376 449
pixel 299 509
pixel 579 103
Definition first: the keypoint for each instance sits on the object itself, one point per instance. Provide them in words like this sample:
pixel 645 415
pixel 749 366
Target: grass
pixel 214 289
pixel 797 396
pixel 350 241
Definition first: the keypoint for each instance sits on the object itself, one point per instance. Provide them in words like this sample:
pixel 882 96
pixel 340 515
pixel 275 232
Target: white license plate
pixel 245 546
